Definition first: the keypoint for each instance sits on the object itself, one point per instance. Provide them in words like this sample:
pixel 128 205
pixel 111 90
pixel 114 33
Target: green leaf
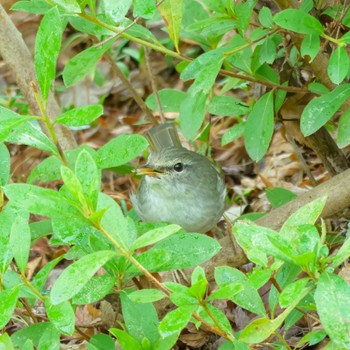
pixel 182 250
pixel 233 133
pixel 20 241
pixel 76 275
pixel 192 113
pixel 317 88
pixel 83 63
pixel 248 298
pixel 141 320
pixel 332 297
pixel 342 254
pixel 68 5
pixel 265 17
pixel 117 10
pixel 50 339
pixel 321 109
pixel 30 134
pixel 83 115
pixel 33 332
pixel 125 340
pixel 101 341
pixel 34 6
pixel 155 235
pixel 170 100
pixel 41 201
pixel 278 196
pixel 175 321
pixel 4 165
pixel 244 12
pixel 5 342
pixel 227 106
pixel 308 214
pixel 259 127
pixel 114 222
pixel 50 168
pixel 344 129
pixel 89 177
pixel 8 300
pixel 9 121
pixel 144 8
pixel 146 296
pixel 298 21
pixel 120 150
pixel 94 290
pixel 291 292
pixel 47 47
pixel 226 291
pixel 61 315
pixel 267 51
pixel 41 277
pixel 172 12
pixel 338 65
pixel 73 185
pixel 310 46
pixel 312 338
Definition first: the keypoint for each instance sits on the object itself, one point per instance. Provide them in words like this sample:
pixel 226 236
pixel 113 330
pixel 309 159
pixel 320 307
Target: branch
pixel 17 57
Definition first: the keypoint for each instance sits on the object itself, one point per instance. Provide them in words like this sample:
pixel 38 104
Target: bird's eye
pixel 178 167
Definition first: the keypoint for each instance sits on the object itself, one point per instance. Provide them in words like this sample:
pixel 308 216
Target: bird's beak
pixel 147 170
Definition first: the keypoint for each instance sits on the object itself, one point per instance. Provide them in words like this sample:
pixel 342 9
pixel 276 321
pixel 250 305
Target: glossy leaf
pixel 141 320
pixel 20 241
pixel 61 315
pixel 120 150
pixel 298 21
pixel 4 165
pixel 332 297
pixel 125 340
pixel 8 300
pixel 10 120
pixel 146 295
pixel 116 10
pixel 89 177
pixel 175 321
pixel 321 109
pixel 344 129
pixel 155 235
pixel 68 5
pixel 227 106
pixel 170 100
pixel 47 47
pixel 5 342
pixel 233 133
pixel 248 298
pixel 308 214
pixel 94 290
pixel 338 65
pixel 179 251
pixel 278 196
pixel 291 292
pixel 310 46
pixel 36 7
pixel 172 12
pixel 83 115
pixel 76 275
pixel 30 134
pixel 265 17
pixel 192 113
pixel 83 63
pixel 41 201
pixel 259 127
pixel 144 8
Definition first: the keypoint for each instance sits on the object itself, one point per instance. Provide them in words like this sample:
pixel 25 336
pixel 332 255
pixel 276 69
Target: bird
pixel 179 186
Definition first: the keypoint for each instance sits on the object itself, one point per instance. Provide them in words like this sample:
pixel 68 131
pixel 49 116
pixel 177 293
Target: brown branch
pixel 19 60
